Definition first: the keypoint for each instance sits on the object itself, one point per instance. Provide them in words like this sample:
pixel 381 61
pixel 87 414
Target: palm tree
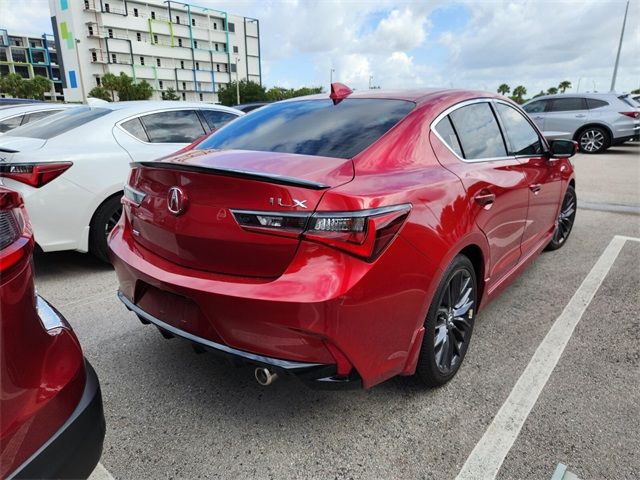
pixel 552 91
pixel 518 93
pixel 504 89
pixel 564 85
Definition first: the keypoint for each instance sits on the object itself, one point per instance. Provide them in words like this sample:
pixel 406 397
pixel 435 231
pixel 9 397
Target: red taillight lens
pixel 14 245
pixel 34 174
pixel 364 233
pixel 631 114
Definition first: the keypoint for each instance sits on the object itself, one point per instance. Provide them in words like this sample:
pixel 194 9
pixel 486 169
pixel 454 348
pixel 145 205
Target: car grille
pixel 9 229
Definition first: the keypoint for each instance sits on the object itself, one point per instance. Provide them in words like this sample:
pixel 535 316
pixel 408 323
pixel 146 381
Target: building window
pixel 86 4
pixel 98 81
pixel 226 67
pixel 184 85
pixel 94 57
pixel 153 15
pixel 233 68
pixel 193 22
pixel 139 36
pixel 106 8
pixel 110 32
pixel 200 97
pixel 197 65
pixel 114 58
pixel 179 42
pixel 182 64
pixel 177 19
pixel 90 28
pixel 195 44
pixel 184 96
pixel 158 62
pixel 232 27
pixel 141 60
pixel 215 26
pixel 235 49
pixel 218 67
pixel 155 38
pixel 135 12
pixel 161 84
pixel 217 47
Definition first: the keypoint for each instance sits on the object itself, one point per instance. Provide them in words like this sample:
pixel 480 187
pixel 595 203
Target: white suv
pixel 71 167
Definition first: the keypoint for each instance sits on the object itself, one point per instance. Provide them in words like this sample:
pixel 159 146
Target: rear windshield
pixel 629 101
pixel 59 123
pixel 312 127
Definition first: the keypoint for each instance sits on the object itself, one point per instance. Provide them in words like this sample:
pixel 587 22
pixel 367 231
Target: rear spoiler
pixel 231 172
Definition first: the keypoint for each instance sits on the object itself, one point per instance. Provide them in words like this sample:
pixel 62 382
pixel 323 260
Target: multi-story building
pixel 29 56
pixel 195 50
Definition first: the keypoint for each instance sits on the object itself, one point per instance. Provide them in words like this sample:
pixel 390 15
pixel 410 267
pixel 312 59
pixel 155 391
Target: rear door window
pixel 536 107
pixel 478 132
pixel 135 128
pixel 173 126
pixel 10 123
pixel 312 127
pixel 568 104
pixel 523 139
pixel 594 103
pixel 216 119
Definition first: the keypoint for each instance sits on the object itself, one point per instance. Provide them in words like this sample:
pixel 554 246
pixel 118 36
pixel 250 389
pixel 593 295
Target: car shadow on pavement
pixel 54 264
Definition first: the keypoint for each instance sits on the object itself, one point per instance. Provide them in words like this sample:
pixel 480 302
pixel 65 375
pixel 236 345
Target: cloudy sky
pixel 472 44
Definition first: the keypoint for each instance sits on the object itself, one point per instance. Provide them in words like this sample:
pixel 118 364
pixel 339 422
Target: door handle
pixel 485 198
pixel 581 115
pixel 535 188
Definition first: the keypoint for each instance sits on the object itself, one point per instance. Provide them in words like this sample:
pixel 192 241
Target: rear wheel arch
pixel 474 253
pixel 576 135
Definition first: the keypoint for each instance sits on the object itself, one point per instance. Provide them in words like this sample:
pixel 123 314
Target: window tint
pixel 135 128
pixel 523 139
pixel 10 123
pixel 478 131
pixel 217 119
pixel 448 135
pixel 60 123
pixel 312 127
pixel 177 126
pixel 629 101
pixel 595 103
pixel 536 107
pixel 35 116
pixel 568 104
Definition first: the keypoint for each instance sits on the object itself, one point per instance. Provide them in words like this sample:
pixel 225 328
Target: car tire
pixel 101 225
pixel 566 218
pixel 594 140
pixel 447 335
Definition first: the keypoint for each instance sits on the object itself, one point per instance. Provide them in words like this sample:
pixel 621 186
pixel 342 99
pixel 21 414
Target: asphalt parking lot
pixel 174 414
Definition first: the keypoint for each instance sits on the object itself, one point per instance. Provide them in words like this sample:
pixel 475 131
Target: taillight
pixel 14 244
pixel 364 233
pixel 34 174
pixel 631 114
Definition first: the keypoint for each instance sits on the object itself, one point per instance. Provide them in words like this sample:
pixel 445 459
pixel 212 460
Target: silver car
pixel 595 120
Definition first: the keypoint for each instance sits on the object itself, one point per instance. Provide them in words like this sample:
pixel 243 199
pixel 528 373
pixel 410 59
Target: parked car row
pixel 269 241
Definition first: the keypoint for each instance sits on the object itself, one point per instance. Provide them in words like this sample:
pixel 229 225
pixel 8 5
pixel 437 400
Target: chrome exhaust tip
pixel 264 376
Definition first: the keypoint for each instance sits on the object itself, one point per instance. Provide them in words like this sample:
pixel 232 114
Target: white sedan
pixel 13 116
pixel 71 167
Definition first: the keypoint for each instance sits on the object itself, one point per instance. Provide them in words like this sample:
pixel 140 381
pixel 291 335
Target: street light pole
pixel 331 75
pixel 80 70
pixel 615 68
pixel 237 81
pixel 370 79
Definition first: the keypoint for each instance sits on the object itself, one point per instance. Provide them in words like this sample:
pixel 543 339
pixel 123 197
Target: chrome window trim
pixel 489 100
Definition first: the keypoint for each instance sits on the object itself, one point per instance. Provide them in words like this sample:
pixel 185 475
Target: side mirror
pixel 563 148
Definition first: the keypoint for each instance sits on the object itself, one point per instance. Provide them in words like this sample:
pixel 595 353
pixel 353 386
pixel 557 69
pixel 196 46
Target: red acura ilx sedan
pixel 51 420
pixel 343 239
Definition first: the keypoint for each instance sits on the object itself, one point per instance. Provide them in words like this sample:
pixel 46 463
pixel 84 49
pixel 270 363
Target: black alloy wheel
pixel 566 218
pixel 103 221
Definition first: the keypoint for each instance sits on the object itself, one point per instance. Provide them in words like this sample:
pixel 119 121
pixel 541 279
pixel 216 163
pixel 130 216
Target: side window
pixel 593 103
pixel 176 126
pixel 523 139
pixel 35 116
pixel 478 131
pixel 10 123
pixel 536 107
pixel 216 119
pixel 568 104
pixel 135 128
pixel 448 135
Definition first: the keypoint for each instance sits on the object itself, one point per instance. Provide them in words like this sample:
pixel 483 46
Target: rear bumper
pixel 315 375
pixel 75 449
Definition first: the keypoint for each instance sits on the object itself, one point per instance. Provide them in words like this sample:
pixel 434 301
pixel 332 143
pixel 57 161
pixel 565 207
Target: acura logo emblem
pixel 176 201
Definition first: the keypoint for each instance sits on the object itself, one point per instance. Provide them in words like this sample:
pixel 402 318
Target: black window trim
pixel 464 103
pixel 161 110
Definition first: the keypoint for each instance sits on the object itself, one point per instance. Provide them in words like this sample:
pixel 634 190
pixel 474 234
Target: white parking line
pixel 489 453
pixel 100 473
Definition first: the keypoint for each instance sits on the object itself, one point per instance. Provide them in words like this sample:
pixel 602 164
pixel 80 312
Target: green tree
pixel 125 88
pixel 564 85
pixel 249 92
pixel 278 93
pixel 11 84
pixel 504 89
pixel 110 83
pixel 170 94
pixel 36 87
pixel 141 91
pixel 552 91
pixel 101 93
pixel 636 91
pixel 518 94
